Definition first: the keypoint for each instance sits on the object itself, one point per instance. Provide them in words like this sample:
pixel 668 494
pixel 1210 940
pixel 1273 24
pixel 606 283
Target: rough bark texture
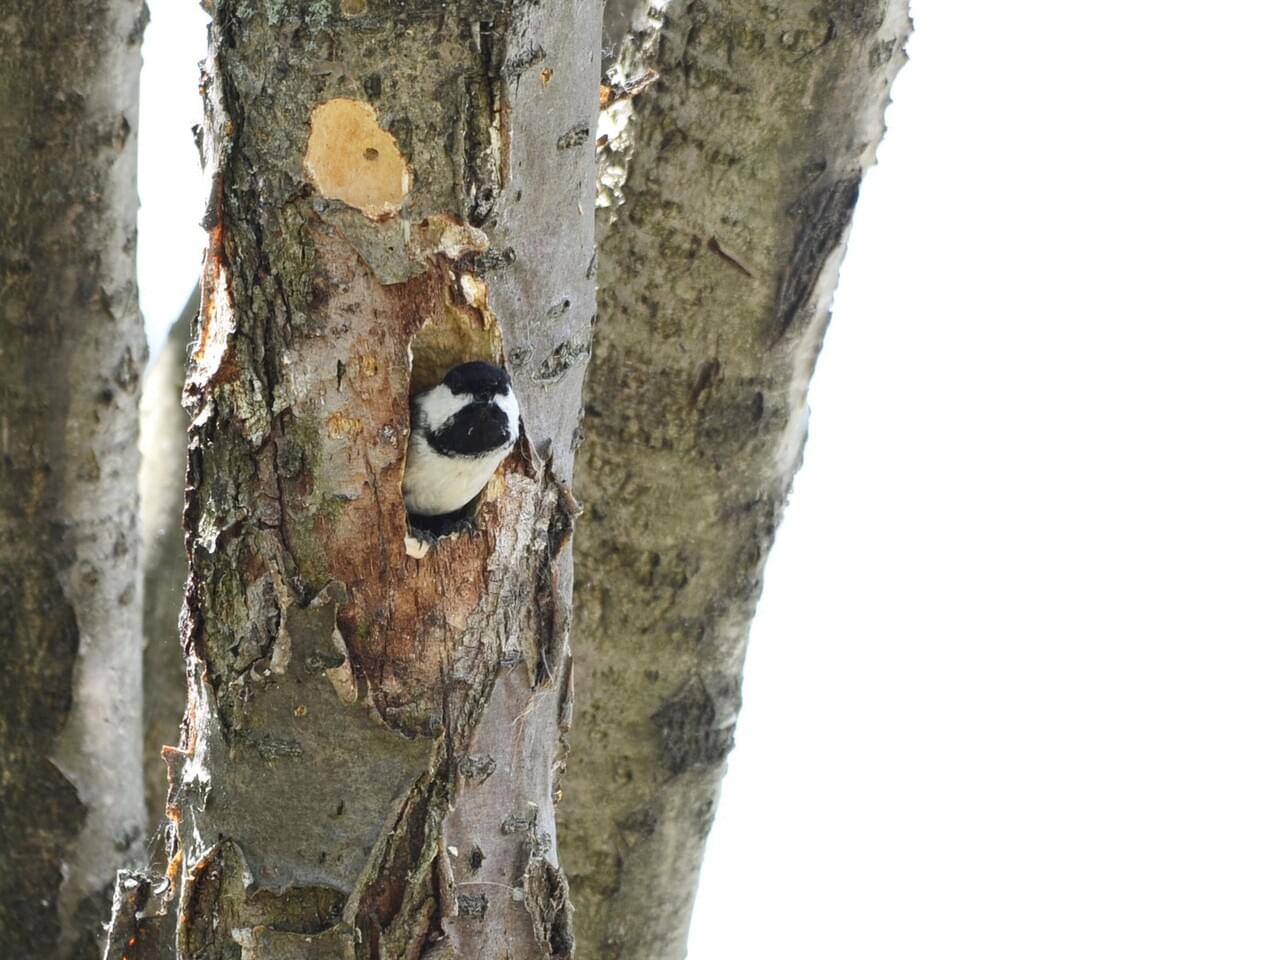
pixel 372 741
pixel 71 350
pixel 164 557
pixel 732 188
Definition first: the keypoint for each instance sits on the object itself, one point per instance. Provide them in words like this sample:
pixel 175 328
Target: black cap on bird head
pixel 478 378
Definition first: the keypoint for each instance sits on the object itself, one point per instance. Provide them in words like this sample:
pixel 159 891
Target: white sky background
pixel 1014 686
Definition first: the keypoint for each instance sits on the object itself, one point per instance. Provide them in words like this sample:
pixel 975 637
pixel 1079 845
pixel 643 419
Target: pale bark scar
pixel 216 327
pixel 352 159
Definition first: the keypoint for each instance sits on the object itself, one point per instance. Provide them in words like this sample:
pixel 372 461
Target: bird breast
pixel 435 484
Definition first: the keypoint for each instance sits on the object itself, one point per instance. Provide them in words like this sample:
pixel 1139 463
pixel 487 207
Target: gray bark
pixel 727 199
pixel 71 349
pixel 164 557
pixel 372 743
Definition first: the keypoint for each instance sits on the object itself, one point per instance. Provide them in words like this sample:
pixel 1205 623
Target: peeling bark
pixel 727 191
pixel 373 741
pixel 71 348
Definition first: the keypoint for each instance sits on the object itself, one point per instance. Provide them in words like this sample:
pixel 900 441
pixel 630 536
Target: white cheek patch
pixel 510 406
pixel 438 404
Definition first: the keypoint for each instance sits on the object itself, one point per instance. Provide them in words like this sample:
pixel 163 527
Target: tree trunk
pixel 71 349
pixel 373 742
pixel 733 181
pixel 164 558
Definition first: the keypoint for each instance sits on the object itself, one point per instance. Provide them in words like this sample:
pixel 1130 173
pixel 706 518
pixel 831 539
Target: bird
pixel 459 432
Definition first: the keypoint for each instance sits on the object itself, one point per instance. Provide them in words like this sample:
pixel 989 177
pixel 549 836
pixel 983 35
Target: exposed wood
pixel 727 190
pixel 71 352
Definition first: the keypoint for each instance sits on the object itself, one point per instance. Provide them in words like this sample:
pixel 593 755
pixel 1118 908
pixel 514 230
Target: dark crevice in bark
pixel 697 727
pixel 822 217
pixel 400 905
pixel 481 163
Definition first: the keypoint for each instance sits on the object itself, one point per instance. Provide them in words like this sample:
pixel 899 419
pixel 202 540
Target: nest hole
pixel 459 333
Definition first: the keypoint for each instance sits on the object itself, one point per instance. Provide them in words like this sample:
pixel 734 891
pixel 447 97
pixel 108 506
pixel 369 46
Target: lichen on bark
pixel 343 695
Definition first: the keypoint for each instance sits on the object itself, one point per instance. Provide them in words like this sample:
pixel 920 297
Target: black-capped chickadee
pixel 459 431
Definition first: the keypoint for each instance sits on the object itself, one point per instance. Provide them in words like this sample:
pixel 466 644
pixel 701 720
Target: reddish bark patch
pixel 405 619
